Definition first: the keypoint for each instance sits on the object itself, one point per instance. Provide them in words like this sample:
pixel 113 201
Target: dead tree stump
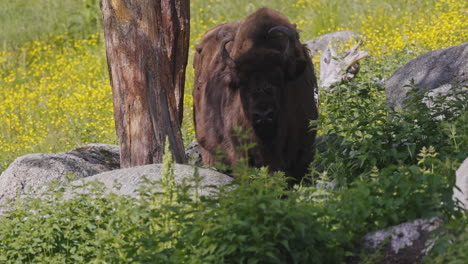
pixel 147 49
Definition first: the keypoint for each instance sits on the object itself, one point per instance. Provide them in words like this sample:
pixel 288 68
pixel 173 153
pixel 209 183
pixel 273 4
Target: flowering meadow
pixel 55 96
pixel 55 93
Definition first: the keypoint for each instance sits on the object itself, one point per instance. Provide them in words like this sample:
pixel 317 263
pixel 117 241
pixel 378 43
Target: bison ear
pixel 295 68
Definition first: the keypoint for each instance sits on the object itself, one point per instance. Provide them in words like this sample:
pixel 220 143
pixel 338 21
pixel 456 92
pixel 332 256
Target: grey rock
pixel 104 156
pixel 193 153
pixel 430 71
pixel 461 194
pixel 127 181
pixel 404 243
pixel 34 171
pixel 320 43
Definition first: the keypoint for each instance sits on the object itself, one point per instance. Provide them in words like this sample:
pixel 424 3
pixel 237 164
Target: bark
pixel 176 29
pixel 147 49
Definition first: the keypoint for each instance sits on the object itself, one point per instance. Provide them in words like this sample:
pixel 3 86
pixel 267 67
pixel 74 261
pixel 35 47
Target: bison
pixel 255 76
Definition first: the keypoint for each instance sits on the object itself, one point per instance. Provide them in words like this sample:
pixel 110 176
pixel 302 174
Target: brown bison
pixel 255 76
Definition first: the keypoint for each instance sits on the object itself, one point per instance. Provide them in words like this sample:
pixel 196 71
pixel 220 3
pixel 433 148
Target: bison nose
pixel 264 116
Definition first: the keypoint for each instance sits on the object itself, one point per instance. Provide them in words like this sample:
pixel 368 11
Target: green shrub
pixel 94 227
pixel 261 223
pixel 452 244
pixel 257 220
pixel 365 134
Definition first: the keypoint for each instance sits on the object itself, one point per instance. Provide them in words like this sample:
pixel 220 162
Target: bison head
pixel 260 79
pixel 260 75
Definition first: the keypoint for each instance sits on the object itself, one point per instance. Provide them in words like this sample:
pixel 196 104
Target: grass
pixel 26 20
pixel 389 167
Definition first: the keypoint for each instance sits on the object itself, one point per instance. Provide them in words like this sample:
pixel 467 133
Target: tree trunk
pixel 147 49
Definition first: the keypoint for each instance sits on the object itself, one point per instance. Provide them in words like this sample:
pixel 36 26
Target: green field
pixel 55 95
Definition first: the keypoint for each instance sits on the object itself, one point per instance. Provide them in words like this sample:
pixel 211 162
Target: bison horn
pixel 224 53
pixel 286 31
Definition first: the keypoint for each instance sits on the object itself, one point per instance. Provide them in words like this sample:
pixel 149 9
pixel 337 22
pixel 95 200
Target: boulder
pixel 127 181
pixel 405 243
pixel 320 43
pixel 437 70
pixel 33 171
pixel 461 193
